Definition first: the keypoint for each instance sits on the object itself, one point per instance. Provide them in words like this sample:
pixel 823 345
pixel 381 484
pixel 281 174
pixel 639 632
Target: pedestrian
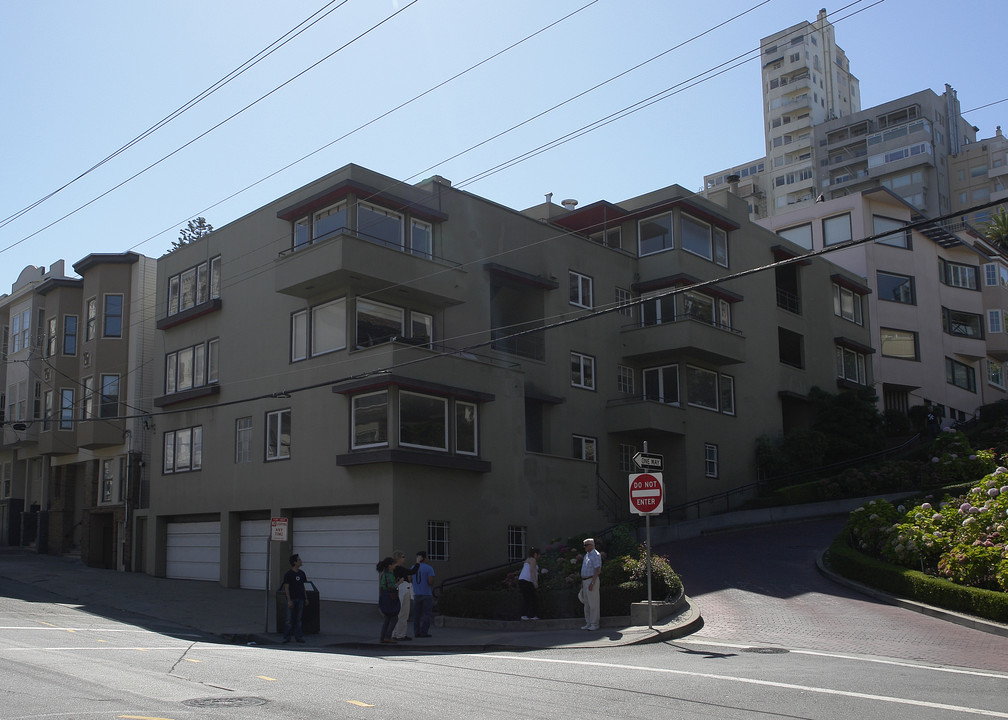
pixel 405 580
pixel 423 595
pixel 591 567
pixel 528 583
pixel 388 597
pixel 294 590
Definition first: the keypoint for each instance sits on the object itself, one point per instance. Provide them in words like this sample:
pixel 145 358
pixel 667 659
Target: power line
pixel 247 65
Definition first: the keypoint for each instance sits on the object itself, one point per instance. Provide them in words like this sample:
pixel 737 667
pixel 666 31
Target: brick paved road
pixel 760 586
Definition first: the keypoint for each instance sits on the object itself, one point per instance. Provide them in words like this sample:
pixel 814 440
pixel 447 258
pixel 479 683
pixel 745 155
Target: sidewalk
pixel 245 617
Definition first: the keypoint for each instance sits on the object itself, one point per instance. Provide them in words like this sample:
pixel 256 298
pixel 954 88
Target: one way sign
pixel 649 461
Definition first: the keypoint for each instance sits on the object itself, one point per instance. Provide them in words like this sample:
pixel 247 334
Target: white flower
pixel 926 506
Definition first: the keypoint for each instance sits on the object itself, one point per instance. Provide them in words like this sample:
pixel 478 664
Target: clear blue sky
pixel 81 79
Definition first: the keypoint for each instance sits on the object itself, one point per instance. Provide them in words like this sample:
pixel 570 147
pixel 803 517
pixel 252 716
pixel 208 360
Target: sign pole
pixel 269 545
pixel 647 525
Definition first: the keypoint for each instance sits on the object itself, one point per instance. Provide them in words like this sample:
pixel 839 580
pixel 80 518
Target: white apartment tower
pixel 806 81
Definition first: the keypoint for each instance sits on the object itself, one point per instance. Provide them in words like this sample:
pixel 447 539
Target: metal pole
pixel 650 618
pixel 269 544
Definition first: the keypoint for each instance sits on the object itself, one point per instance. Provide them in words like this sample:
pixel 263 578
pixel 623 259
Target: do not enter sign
pixel 646 493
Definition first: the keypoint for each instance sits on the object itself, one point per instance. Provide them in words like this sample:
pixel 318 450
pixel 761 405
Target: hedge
pixel 915 585
pixel 506 605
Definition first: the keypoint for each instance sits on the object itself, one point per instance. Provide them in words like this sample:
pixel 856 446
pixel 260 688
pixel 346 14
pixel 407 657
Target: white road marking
pixel 764 683
pixel 841 656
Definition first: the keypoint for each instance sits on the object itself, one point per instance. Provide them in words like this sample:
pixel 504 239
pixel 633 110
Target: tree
pixel 193 231
pixel 997 229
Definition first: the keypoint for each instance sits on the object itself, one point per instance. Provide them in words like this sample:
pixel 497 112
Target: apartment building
pixel 978 174
pixel 391 366
pixel 77 390
pixel 936 306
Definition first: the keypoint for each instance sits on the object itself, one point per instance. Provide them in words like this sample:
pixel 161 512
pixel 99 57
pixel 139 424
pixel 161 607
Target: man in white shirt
pixel 591 566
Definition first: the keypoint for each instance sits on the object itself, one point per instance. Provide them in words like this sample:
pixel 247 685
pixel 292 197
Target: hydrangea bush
pixel 960 538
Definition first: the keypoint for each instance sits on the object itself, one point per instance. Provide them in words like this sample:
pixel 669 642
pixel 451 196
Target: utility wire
pixel 247 65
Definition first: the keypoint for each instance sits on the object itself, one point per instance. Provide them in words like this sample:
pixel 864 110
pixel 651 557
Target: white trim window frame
pixel 624 299
pixel 585 448
pixel 466 428
pixel 369 420
pixel 702 388
pixel 710 460
pixel 192 287
pixel 704 240
pixel 625 379
pixel 278 435
pixel 851 365
pixel 655 234
pixel 182 450
pixel 421 238
pixel 91 324
pixel 325 222
pixel 438 536
pixel 661 384
pixel 113 310
pixel 243 440
pixel 420 416
pixel 388 321
pixel 836 229
pixel 378 224
pixel 582 371
pixel 847 304
pixel 581 290
pixel 995 373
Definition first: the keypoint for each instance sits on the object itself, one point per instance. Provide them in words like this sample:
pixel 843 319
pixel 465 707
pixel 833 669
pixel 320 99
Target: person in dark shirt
pixel 294 590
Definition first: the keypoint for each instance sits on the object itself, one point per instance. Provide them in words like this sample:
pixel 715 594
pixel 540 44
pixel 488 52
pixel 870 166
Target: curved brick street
pixel 760 586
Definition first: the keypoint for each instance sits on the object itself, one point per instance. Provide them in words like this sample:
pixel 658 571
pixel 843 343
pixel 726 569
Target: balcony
pixel 640 416
pixel 684 336
pixel 346 258
pixel 997 346
pixel 100 433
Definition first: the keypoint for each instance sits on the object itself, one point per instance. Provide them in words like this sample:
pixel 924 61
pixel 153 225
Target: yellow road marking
pixel 359 703
pixel 105 641
pixel 140 649
pixel 264 677
pixel 191 660
pixel 70 630
pixel 43 622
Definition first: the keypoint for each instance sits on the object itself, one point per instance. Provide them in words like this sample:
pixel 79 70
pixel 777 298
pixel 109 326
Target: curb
pixel 970 621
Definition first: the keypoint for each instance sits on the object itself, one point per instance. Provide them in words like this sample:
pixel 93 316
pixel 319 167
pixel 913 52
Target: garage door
pixel 339 553
pixel 254 539
pixel 193 550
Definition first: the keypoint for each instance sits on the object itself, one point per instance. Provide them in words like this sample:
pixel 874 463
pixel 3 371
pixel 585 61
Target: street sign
pixel 647 493
pixel 278 529
pixel 649 461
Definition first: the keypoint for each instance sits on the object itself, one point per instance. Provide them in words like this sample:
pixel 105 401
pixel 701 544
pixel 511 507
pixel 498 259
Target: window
pixel 437 540
pixel 423 421
pixel 580 290
pixel 421 238
pixel 654 234
pixel 662 384
pixel 657 309
pixel 243 440
pixel 66 409
pixel 790 348
pixel 330 220
pixel 702 388
pixel 960 374
pixel 113 471
pixel 109 396
pixel 847 304
pixel 710 460
pixel 183 450
pixel 47 408
pixel 51 337
pixel 69 334
pixel 958 275
pixel 624 300
pixel 836 229
pixel 625 379
pixel 186 290
pixel 995 274
pixel 882 225
pixel 91 328
pixel 377 322
pixel 112 324
pixel 87 406
pixel 466 428
pixel 626 456
pixel 727 394
pixel 995 373
pixel 6 479
pixel 278 435
pixel 584 448
pixel 191 367
pixel 900 344
pixel 582 371
pixel 421 328
pixel 896 288
pixel 705 240
pixel 516 542
pixel 962 324
pixel 375 223
pixel 369 419
pixel 610 238
pixel 995 322
pixel 318 330
pixel 800 235
pixel 851 366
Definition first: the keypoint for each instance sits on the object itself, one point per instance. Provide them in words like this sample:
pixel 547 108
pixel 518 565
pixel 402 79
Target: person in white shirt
pixel 591 566
pixel 528 583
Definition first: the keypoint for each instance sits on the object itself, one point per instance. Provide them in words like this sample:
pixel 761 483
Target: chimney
pixel 733 181
pixel 569 203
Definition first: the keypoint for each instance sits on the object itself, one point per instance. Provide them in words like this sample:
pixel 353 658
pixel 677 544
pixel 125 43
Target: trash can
pixel 310 624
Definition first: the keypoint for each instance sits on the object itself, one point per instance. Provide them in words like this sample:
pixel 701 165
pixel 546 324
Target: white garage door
pixel 254 539
pixel 193 550
pixel 339 553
